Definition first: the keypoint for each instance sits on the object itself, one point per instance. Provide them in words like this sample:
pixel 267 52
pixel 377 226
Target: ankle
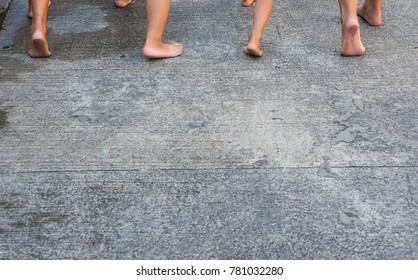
pixel 349 20
pixel 39 28
pixel 255 36
pixel 374 10
pixel 155 44
pixel 373 7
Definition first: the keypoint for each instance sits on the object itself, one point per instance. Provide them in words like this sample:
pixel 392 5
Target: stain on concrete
pixel 412 190
pixel 4 122
pixel 39 238
pixel 49 194
pixel 95 240
pixel 349 217
pixel 104 114
pixel 368 137
pixel 144 186
pixel 102 102
pixel 102 198
pixel 32 220
pixel 18 224
pixel 197 125
pixel 359 103
pixel 9 205
pixel 351 133
pixel 45 218
pixel 325 169
pixel 261 162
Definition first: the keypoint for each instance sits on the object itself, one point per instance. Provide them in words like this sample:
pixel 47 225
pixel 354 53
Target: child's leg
pixel 39 45
pixel 371 12
pixel 122 3
pixel 351 42
pixel 247 3
pixel 262 13
pixel 157 15
pixel 30 10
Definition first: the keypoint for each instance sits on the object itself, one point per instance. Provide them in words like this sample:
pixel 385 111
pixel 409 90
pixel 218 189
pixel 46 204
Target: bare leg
pixel 371 12
pixel 262 13
pixel 247 3
pixel 157 15
pixel 39 45
pixel 351 41
pixel 30 10
pixel 122 3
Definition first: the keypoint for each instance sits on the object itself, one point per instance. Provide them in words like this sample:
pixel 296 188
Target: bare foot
pixel 351 42
pixel 253 46
pixel 372 16
pixel 122 3
pixel 30 10
pixel 162 51
pixel 247 3
pixel 39 45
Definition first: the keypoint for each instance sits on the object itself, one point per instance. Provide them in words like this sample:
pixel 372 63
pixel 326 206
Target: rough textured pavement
pixel 302 154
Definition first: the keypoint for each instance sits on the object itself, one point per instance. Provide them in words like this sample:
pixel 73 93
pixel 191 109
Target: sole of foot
pixel 253 52
pixel 122 4
pixel 39 49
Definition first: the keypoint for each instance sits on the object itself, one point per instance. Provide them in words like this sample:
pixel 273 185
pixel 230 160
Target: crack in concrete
pixel 4 9
pixel 3 119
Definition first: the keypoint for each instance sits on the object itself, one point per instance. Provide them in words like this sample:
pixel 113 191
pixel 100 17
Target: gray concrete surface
pixel 3 5
pixel 302 154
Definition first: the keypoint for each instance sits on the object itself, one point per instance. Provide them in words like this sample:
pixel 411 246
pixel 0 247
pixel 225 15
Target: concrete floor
pixel 302 154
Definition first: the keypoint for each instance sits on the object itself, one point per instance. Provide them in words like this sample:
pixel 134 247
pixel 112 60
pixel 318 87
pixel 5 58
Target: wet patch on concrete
pixel 4 122
pixel 100 25
pixel 88 19
pixel 11 68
